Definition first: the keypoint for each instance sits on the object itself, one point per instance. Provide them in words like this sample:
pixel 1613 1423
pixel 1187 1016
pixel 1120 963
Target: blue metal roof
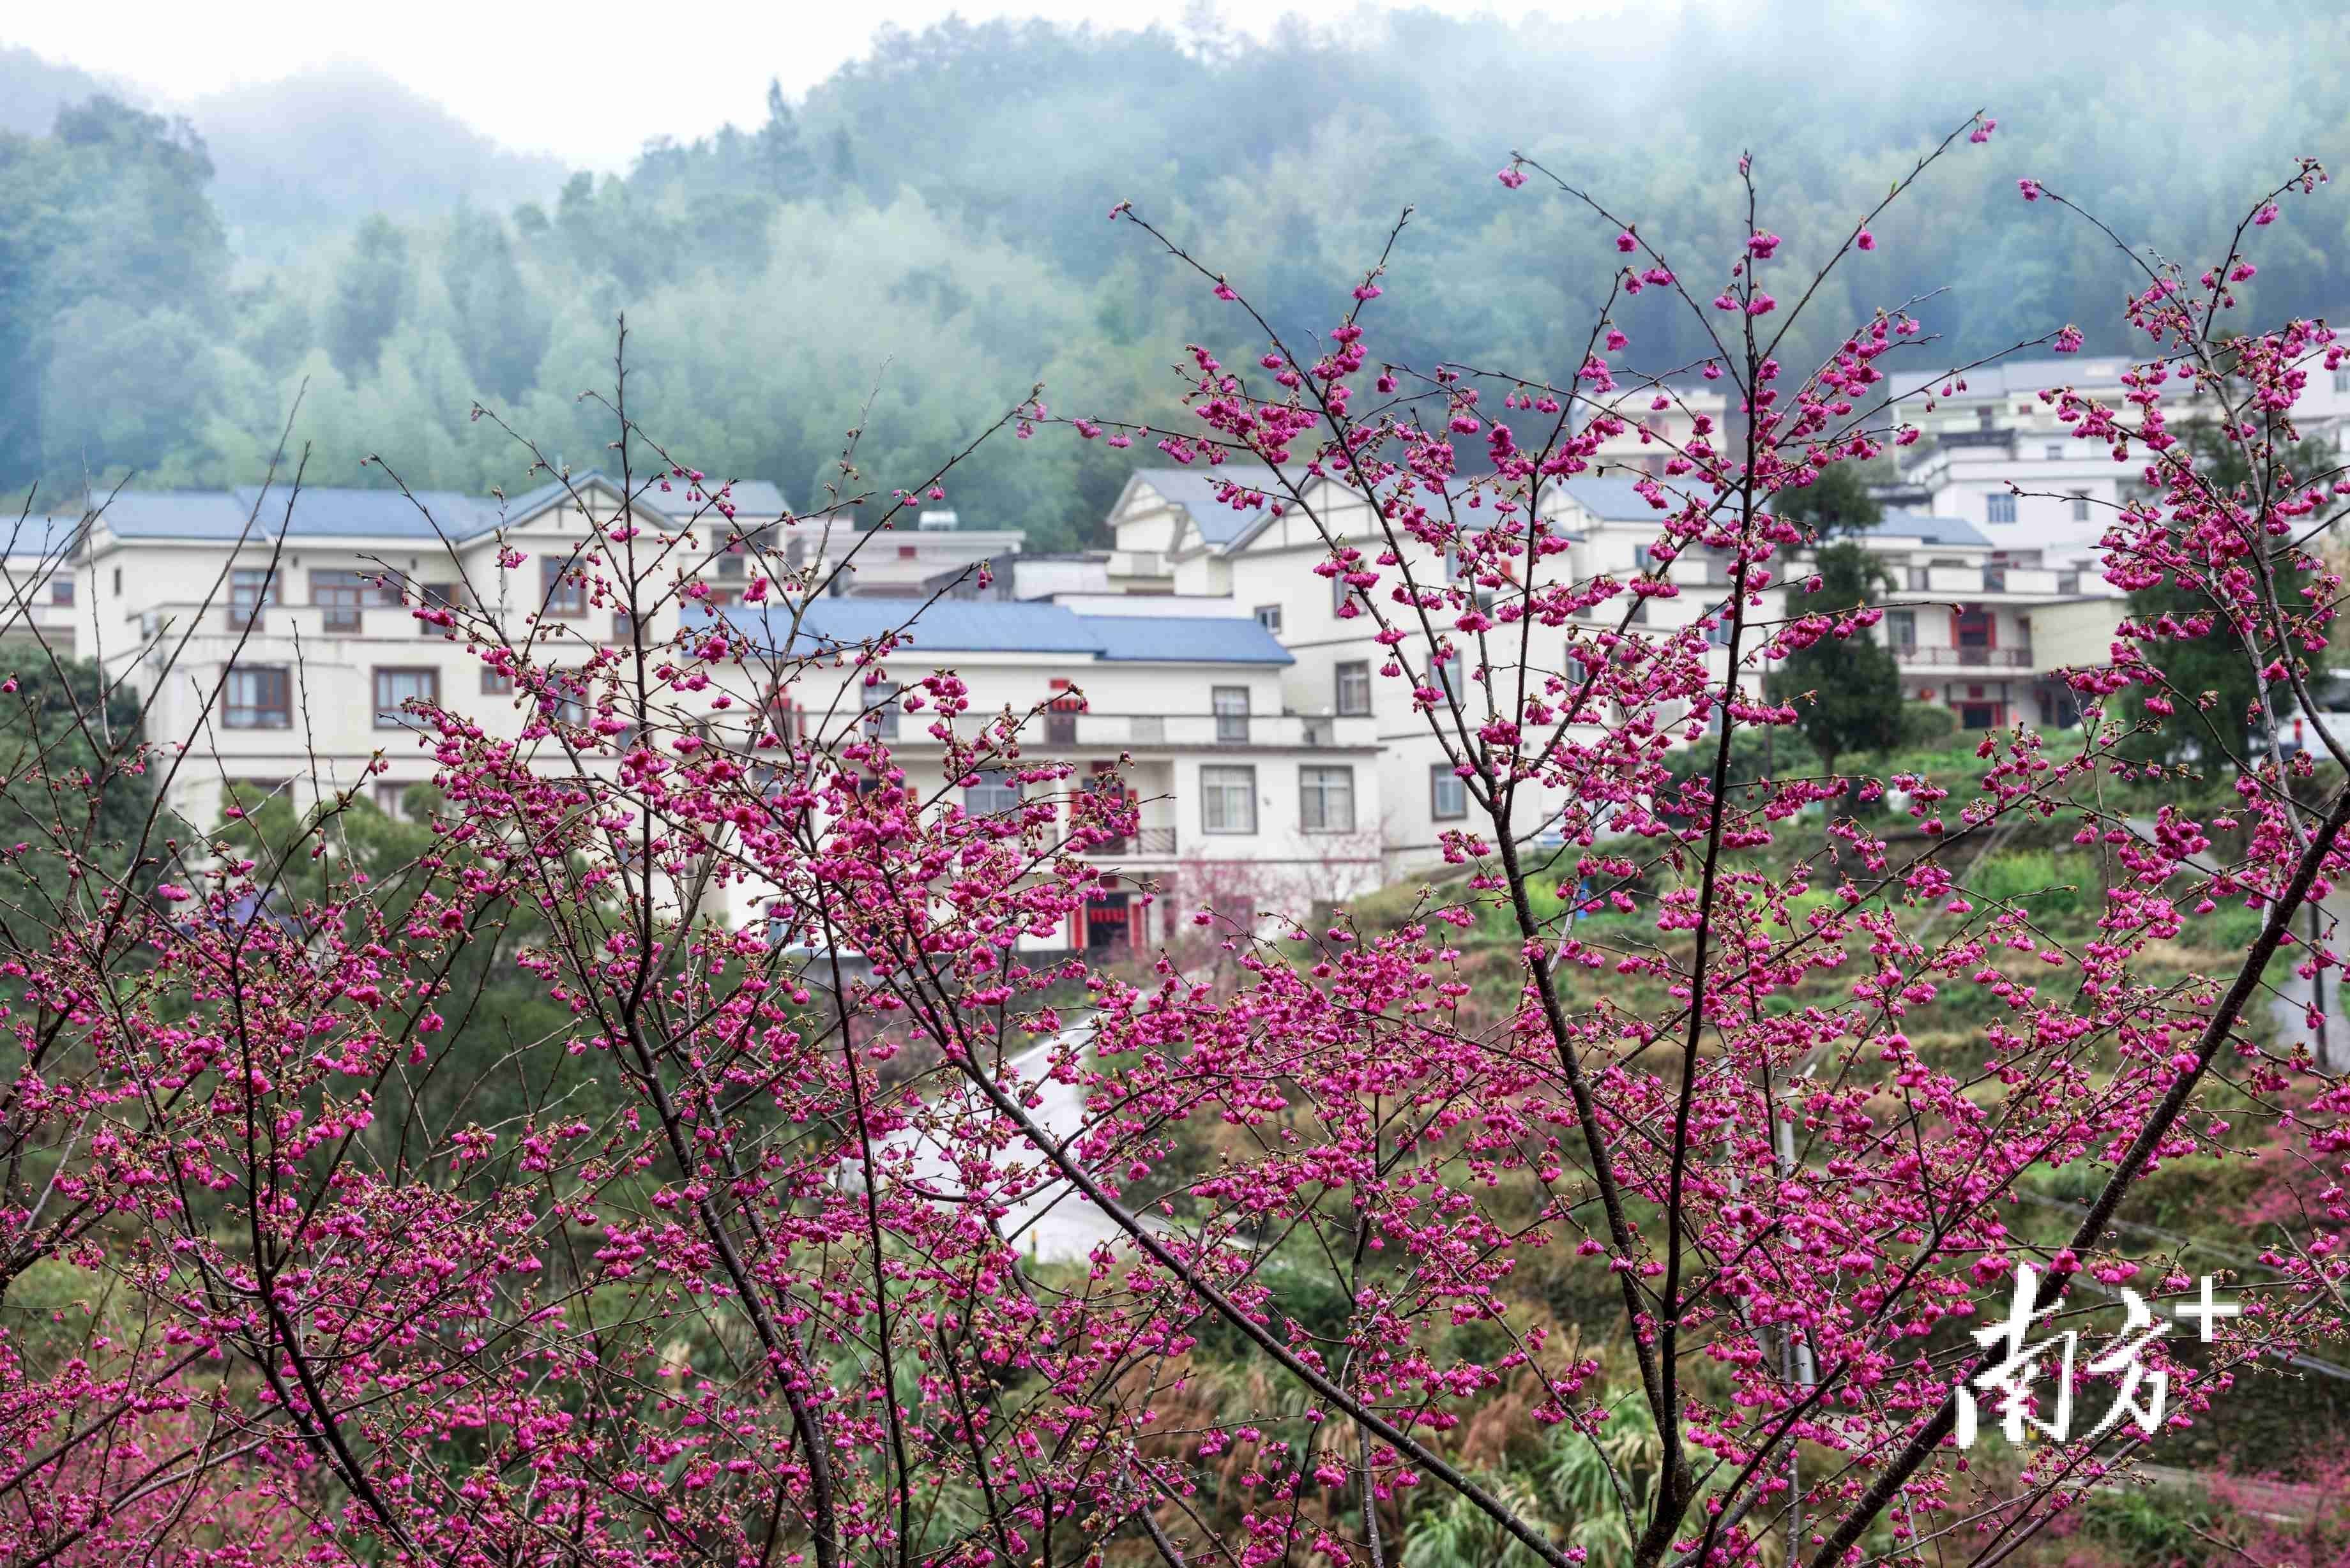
pixel 374 513
pixel 997 625
pixel 1183 638
pixel 218 516
pixel 1199 492
pixel 1932 530
pixel 1614 500
pixel 37 534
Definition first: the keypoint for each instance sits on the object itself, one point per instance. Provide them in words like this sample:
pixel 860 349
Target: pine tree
pixel 784 163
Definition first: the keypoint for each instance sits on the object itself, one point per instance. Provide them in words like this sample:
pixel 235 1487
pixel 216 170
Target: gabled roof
pixel 1932 530
pixel 996 626
pixel 37 535
pixel 1613 500
pixel 1198 491
pixel 1187 639
pixel 249 511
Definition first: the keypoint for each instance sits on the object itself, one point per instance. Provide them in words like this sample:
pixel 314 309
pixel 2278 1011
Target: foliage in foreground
pixel 1655 1239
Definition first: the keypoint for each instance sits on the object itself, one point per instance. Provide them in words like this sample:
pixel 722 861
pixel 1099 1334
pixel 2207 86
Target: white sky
pixel 528 74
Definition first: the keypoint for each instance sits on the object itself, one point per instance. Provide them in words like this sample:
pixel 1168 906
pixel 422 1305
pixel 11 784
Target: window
pixel 260 698
pixel 1228 800
pixel 389 799
pixel 62 590
pixel 118 582
pixel 1355 687
pixel 497 682
pixel 1269 617
pixel 2053 451
pixel 441 596
pixel 1447 673
pixel 345 594
pixel 1231 709
pixel 562 589
pixel 1983 417
pixel 2342 381
pixel 990 792
pixel 1447 794
pixel 1644 559
pixel 1998 508
pixel 731 563
pixel 879 703
pixel 2080 506
pixel 394 687
pixel 250 589
pixel 1901 628
pixel 626 626
pixel 1338 591
pixel 1326 799
pixel 564 697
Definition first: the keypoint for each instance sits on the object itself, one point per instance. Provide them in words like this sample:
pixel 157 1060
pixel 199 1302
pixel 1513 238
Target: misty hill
pixel 327 148
pixel 925 231
pixel 33 89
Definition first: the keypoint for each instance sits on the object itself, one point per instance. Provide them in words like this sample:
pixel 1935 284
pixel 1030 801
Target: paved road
pixel 1057 1221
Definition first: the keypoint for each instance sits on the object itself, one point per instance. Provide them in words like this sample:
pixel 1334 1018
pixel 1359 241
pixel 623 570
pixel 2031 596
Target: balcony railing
pixel 1963 658
pixel 1978 438
pixel 1202 731
pixel 1145 840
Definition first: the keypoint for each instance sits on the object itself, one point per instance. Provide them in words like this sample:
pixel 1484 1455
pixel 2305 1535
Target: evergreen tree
pixel 1836 502
pixel 783 161
pixel 503 327
pixel 370 294
pixel 1847 689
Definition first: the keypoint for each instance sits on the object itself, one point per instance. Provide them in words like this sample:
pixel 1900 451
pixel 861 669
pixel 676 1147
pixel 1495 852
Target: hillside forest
pixel 924 232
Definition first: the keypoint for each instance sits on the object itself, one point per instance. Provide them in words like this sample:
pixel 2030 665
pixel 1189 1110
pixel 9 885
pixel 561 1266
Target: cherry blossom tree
pixel 703 1257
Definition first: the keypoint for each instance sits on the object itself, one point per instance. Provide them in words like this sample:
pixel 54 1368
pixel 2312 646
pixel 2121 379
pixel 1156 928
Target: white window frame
pixel 1321 786
pixel 1360 671
pixel 1224 785
pixel 1442 779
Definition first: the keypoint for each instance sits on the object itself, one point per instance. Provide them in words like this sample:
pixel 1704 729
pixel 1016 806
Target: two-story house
pixel 1238 798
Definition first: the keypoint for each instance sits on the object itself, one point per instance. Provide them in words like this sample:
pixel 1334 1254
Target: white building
pixel 40 581
pixel 1989 434
pixel 1960 618
pixel 1239 798
pixel 288 644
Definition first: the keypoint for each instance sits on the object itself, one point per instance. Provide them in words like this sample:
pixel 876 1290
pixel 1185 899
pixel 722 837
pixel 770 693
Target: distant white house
pixel 1239 797
pixel 41 589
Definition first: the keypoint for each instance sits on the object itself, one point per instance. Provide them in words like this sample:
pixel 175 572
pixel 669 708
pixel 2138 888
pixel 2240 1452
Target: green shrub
pixel 1925 725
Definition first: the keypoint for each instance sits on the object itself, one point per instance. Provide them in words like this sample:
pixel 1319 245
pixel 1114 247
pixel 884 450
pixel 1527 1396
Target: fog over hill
pixel 925 228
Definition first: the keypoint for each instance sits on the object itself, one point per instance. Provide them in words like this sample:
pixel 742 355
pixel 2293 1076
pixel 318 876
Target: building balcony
pixel 216 623
pixel 55 623
pixel 1970 582
pixel 2001 438
pixel 1147 842
pixel 1098 733
pixel 1918 655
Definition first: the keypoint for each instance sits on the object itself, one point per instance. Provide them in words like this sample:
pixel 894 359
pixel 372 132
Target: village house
pixel 1238 797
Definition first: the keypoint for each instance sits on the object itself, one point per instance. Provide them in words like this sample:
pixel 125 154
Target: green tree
pixel 784 162
pixel 502 325
pixel 1837 503
pixel 370 294
pixel 60 724
pixel 2213 684
pixel 109 209
pixel 1847 689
